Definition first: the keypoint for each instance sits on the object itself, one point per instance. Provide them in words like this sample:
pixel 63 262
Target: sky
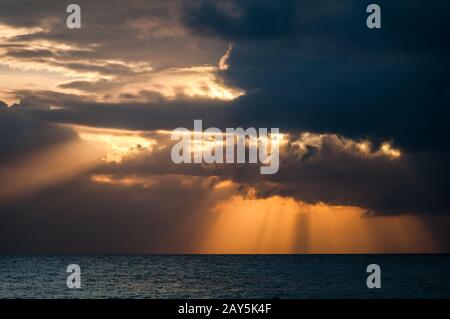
pixel 86 117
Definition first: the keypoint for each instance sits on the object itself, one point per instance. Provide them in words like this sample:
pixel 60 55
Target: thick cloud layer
pixel 301 66
pixel 323 70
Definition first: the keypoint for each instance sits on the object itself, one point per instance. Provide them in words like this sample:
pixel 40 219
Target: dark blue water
pixel 225 276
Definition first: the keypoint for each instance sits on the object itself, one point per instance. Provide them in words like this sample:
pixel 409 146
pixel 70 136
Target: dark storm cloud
pixel 247 20
pixel 326 22
pixel 162 114
pixel 416 184
pixel 170 215
pixel 21 135
pixel 166 218
pixel 305 65
pixel 330 173
pixel 329 73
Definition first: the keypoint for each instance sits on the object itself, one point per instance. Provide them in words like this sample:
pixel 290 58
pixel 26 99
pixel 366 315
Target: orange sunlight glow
pixel 123 181
pixel 47 167
pixel 116 143
pixel 277 225
pixel 55 164
pixel 194 81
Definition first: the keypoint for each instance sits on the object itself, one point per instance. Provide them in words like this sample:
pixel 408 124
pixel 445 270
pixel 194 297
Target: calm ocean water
pixel 225 276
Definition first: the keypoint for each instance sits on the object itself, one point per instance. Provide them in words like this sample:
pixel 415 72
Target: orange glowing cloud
pixel 47 167
pixel 284 226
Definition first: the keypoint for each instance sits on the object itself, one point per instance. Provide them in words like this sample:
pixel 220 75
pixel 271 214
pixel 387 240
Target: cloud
pixel 378 175
pixel 320 168
pixel 233 20
pixel 125 50
pixel 328 73
pixel 223 62
pixel 166 217
pixel 3 106
pixel 145 203
pixel 364 113
pixel 20 134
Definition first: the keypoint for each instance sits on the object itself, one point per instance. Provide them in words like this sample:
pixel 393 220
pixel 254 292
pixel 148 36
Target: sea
pixel 225 276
